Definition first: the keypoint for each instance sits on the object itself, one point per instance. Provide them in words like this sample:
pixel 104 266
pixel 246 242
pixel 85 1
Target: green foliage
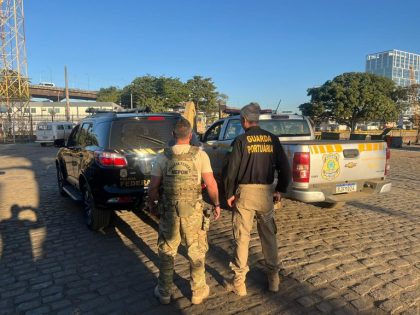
pixel 203 93
pixel 355 97
pixel 110 94
pixel 314 110
pixel 163 93
pixel 172 91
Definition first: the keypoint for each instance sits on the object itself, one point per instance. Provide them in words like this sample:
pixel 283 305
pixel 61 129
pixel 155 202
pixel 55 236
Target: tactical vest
pixel 180 180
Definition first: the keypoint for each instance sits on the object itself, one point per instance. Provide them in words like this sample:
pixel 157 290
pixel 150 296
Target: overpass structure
pixel 57 94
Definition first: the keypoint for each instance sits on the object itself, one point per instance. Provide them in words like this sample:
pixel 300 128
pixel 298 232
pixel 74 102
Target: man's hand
pixel 276 197
pixel 231 201
pixel 216 212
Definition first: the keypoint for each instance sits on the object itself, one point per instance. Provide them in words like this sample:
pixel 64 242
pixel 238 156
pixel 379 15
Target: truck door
pixel 232 130
pixel 211 145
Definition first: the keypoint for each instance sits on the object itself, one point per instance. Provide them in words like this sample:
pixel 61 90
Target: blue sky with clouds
pixel 254 50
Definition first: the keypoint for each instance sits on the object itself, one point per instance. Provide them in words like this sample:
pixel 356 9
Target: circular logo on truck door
pixel 331 166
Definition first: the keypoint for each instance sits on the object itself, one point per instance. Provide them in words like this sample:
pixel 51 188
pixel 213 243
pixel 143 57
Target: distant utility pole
pixel 131 100
pixel 67 95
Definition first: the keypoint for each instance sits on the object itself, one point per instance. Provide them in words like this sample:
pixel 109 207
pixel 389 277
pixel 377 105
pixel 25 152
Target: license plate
pixel 345 188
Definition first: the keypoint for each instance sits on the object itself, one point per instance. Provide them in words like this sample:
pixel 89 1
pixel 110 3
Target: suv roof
pixel 116 115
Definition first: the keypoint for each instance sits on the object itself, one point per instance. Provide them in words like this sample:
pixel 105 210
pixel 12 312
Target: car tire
pixel 60 180
pixel 43 144
pixel 96 218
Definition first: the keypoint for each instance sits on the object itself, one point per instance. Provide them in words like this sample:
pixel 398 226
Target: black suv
pixel 107 161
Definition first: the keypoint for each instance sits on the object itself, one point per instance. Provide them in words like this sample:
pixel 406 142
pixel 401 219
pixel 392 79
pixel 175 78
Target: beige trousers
pixel 253 200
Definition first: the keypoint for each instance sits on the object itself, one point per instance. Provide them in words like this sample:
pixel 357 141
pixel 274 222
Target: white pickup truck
pixel 322 170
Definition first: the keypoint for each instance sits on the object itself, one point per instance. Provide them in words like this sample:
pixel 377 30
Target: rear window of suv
pixel 142 132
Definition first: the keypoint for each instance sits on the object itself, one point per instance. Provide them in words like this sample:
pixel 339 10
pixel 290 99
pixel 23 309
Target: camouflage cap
pixel 251 112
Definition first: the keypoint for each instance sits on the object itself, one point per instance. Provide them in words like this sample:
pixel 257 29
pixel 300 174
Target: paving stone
pixel 26 297
pixel 325 307
pixel 25 306
pixel 38 311
pixel 391 306
pixel 308 300
pixel 385 292
pixel 406 281
pixel 60 304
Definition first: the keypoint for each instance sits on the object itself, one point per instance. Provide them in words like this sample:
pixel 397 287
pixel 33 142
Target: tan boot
pixel 239 288
pixel 273 281
pixel 163 299
pixel 199 295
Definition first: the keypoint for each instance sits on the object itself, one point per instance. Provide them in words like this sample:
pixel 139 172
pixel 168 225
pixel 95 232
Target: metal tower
pixel 14 83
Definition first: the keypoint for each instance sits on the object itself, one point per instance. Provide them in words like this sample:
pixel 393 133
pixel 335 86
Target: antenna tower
pixel 14 82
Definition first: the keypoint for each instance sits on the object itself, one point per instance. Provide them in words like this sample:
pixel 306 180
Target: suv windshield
pixel 143 133
pixel 286 128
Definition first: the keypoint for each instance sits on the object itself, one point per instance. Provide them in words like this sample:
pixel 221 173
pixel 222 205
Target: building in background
pixel 400 66
pixel 56 111
pixel 397 65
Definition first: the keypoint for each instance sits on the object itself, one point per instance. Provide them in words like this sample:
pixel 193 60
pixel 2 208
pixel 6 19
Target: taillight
pixel 301 167
pixel 387 165
pixel 110 159
pixel 155 118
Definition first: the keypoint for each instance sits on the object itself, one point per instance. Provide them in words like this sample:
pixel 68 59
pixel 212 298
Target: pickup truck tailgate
pixel 347 161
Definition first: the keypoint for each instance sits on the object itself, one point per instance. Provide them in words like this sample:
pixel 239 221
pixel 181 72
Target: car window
pixel 86 137
pixel 213 132
pixel 69 126
pixel 233 129
pixel 284 128
pixel 100 132
pixel 71 142
pixel 44 127
pixel 141 133
pixel 60 127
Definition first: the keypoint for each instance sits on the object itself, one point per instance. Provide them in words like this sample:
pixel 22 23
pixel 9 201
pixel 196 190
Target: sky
pixel 260 50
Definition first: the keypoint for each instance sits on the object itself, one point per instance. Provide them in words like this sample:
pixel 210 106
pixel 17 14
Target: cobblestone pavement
pixel 361 258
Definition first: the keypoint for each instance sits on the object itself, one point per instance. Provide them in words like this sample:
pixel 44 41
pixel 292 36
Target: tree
pixel 163 93
pixel 314 110
pixel 110 94
pixel 142 90
pixel 171 90
pixel 202 92
pixel 355 97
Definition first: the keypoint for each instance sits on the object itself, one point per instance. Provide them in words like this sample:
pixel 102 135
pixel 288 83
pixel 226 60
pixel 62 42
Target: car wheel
pixel 95 217
pixel 60 181
pixel 43 144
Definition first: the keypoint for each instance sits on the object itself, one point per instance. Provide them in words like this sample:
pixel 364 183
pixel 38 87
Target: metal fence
pixel 24 128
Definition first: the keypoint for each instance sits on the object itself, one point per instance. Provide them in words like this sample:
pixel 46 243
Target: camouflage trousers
pixel 253 200
pixel 172 229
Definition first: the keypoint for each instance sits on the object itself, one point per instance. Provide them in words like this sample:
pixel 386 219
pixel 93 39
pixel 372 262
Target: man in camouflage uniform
pixel 176 184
